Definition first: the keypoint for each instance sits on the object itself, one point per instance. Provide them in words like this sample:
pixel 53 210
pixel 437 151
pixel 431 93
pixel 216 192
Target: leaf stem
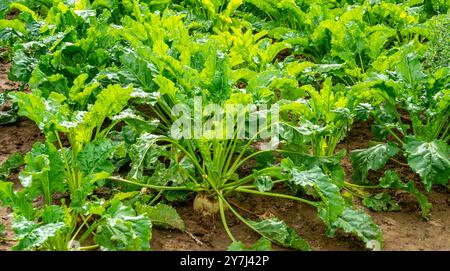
pixel 244 190
pixel 156 187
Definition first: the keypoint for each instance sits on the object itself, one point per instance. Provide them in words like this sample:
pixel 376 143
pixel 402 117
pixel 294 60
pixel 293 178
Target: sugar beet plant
pixel 134 100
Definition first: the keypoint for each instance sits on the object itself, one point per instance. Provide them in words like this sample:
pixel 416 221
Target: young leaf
pixel 263 183
pixel 381 202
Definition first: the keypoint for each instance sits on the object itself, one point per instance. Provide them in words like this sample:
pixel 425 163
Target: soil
pixel 403 230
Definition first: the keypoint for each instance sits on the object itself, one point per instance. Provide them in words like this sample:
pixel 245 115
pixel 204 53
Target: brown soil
pixel 404 230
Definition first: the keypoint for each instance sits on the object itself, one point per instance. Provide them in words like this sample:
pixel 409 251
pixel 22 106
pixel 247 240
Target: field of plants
pixel 224 125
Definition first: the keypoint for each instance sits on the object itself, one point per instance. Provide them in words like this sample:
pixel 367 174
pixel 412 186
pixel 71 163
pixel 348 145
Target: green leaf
pixel 15 24
pixel 263 183
pixel 14 161
pixel 142 153
pixel 262 244
pixel 22 66
pixel 44 171
pixel 218 77
pixel 2 230
pixel 391 179
pixel 7 117
pixel 20 201
pixel 381 202
pixel 358 223
pixel 162 215
pixel 279 232
pixel 32 235
pixel 7 195
pixel 430 160
pixel 373 158
pixel 53 214
pixel 409 68
pixel 138 70
pixel 425 205
pixel 110 101
pixel 362 111
pixel 122 230
pixel 94 157
pixel 48 114
pixel 314 178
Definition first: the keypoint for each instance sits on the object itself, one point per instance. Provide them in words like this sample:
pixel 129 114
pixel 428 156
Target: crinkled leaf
pixel 22 67
pixel 32 235
pixel 314 178
pixel 162 215
pixel 358 223
pixel 53 214
pixel 94 157
pixel 279 232
pixel 44 171
pixel 14 161
pixel 430 160
pixel 19 200
pixel 141 152
pixel 122 230
pixel 373 158
pixel 381 202
pixel 263 183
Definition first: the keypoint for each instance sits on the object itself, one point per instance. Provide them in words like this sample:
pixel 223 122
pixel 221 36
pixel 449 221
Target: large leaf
pixel 138 70
pixel 48 114
pixel 373 158
pixel 358 223
pixel 109 102
pixel 329 192
pixel 142 153
pixel 280 233
pixel 32 235
pixel 22 66
pixel 121 229
pixel 94 157
pixel 430 160
pixel 162 215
